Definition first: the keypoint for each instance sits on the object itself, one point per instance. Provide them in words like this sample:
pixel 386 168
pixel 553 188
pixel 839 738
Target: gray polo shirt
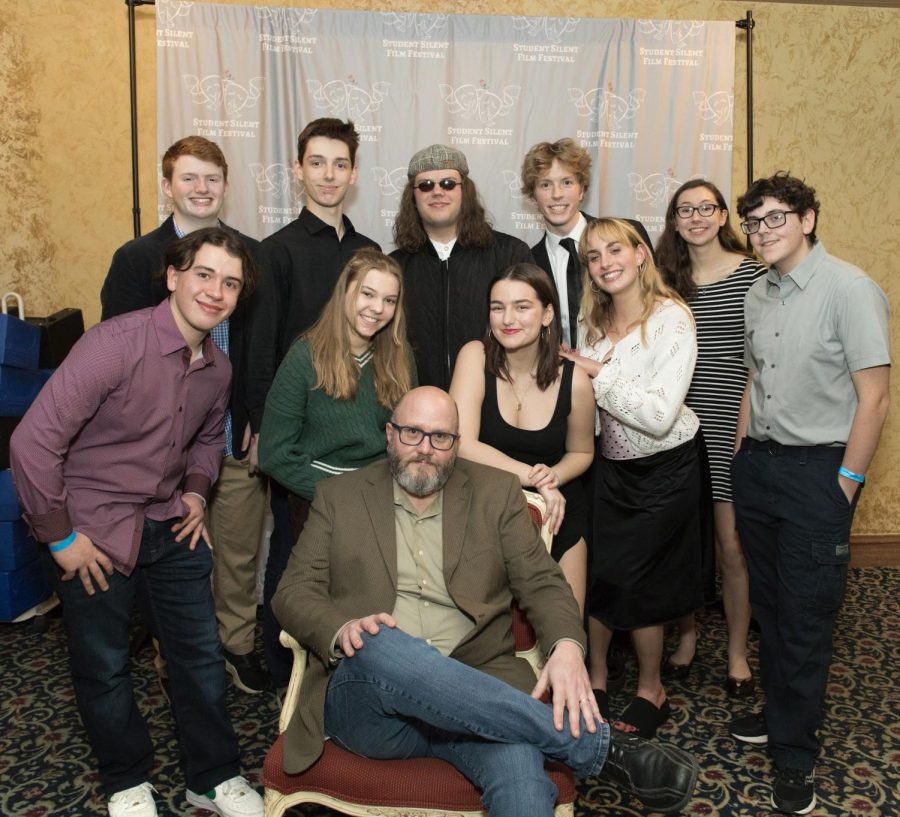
pixel 804 334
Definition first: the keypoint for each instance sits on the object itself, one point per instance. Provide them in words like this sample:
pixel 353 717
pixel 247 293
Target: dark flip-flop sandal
pixel 602 702
pixel 644 716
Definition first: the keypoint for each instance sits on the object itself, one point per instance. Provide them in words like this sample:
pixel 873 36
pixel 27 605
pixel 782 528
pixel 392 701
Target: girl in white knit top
pixel 638 345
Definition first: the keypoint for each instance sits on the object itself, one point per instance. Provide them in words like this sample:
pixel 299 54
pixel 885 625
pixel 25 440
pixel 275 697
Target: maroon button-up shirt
pixel 120 430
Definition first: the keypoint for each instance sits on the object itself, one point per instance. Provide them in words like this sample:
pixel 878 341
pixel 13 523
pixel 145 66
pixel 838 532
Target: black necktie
pixel 573 287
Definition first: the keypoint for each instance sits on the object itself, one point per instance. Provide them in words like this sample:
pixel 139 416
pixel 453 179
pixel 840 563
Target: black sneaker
pixel 750 729
pixel 794 792
pixel 247 673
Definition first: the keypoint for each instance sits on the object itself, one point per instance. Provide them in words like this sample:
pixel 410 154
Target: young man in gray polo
pixel 817 347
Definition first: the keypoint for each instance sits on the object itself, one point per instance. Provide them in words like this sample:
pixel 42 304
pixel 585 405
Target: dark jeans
pixel 398 697
pixel 794 523
pixel 281 543
pixel 174 582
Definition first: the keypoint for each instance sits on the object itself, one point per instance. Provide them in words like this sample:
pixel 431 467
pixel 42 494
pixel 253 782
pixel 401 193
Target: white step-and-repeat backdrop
pixel 652 100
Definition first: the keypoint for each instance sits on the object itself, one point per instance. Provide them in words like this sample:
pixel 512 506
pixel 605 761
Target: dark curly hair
pixel 787 189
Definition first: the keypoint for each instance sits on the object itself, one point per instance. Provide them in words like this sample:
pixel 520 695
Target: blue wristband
pixel 846 472
pixel 63 544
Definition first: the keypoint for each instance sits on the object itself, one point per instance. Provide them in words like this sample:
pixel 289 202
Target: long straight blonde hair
pixel 337 373
pixel 596 306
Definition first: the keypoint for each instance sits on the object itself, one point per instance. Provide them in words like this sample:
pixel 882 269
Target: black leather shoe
pixel 660 775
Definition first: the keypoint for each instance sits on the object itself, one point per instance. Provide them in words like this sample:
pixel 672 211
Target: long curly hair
pixel 337 373
pixel 596 306
pixel 672 250
pixel 473 229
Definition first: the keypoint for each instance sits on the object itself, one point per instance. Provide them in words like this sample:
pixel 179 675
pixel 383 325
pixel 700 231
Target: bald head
pixel 428 408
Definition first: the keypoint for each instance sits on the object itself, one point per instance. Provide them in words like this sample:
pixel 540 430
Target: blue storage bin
pixel 22 589
pixel 20 342
pixel 17 547
pixel 19 388
pixel 9 503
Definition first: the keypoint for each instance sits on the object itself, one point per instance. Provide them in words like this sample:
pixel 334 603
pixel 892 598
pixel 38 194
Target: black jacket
pixel 447 301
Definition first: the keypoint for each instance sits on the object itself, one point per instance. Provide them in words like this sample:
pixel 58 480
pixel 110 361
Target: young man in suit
pixel 403 598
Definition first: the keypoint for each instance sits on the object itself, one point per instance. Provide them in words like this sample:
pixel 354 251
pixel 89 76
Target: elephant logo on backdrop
pixel 341 98
pixel 606 105
pixel 424 26
pixel 477 102
pixel 717 107
pixel 391 183
pixel 213 91
pixel 676 31
pixel 277 179
pixel 551 29
pixel 655 189
pixel 290 18
pixel 168 11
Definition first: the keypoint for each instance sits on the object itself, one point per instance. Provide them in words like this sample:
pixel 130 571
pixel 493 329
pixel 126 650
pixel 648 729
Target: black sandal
pixel 602 702
pixel 644 716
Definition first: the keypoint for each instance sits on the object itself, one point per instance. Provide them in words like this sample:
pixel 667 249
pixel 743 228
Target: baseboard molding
pixel 875 550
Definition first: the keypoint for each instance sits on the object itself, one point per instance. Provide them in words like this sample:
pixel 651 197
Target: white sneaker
pixel 134 802
pixel 233 798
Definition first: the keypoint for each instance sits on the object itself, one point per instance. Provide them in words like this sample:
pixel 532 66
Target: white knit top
pixel 641 390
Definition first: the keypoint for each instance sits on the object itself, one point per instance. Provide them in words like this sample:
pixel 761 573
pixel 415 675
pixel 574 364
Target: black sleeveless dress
pixel 547 445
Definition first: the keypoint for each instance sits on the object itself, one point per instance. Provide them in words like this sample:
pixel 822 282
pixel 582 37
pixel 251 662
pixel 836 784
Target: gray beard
pixel 419 484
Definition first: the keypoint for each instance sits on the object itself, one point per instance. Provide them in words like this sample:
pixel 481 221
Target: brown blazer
pixel 344 566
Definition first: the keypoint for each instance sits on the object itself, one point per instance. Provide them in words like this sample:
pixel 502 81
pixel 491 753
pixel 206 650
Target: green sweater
pixel 306 436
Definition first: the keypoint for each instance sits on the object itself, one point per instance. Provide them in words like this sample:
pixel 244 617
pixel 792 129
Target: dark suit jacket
pixel 344 566
pixel 133 283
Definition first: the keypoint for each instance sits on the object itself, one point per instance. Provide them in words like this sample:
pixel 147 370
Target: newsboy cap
pixel 438 157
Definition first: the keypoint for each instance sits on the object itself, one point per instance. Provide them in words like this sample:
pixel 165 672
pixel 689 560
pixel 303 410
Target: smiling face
pixel 370 307
pixel 205 293
pixel 439 209
pixel 517 317
pixel 786 246
pixel 699 230
pixel 327 173
pixel 613 265
pixel 558 195
pixel 197 192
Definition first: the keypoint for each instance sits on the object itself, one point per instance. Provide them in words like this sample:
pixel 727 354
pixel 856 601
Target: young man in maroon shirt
pixel 113 464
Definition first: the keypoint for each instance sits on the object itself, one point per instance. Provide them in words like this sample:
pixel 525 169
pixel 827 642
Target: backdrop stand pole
pixel 132 69
pixel 747 25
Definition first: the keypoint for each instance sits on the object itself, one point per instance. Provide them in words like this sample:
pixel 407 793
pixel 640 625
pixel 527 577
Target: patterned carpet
pixel 46 766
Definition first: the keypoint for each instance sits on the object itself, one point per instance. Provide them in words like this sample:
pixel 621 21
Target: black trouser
pixel 794 520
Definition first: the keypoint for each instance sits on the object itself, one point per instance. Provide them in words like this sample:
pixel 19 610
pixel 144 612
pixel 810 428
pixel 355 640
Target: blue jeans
pixel 173 583
pixel 398 697
pixel 794 523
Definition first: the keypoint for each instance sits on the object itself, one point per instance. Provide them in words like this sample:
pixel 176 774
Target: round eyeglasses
pixel 772 220
pixel 427 185
pixel 440 440
pixel 706 209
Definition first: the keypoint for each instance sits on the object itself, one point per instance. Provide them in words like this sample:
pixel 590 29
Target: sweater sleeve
pixel 280 454
pixel 650 400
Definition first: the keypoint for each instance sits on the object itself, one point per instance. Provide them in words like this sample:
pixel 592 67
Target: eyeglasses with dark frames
pixel 439 440
pixel 772 220
pixel 706 209
pixel 427 185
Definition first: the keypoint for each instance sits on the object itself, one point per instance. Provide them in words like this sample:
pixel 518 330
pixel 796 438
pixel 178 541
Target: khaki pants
pixel 234 520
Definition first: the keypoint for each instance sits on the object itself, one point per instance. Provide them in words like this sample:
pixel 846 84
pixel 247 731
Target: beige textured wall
pixel 826 108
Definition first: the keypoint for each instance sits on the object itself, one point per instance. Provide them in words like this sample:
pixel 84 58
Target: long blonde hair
pixel 337 373
pixel 596 306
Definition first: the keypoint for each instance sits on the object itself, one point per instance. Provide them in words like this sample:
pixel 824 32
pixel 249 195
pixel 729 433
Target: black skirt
pixel 647 564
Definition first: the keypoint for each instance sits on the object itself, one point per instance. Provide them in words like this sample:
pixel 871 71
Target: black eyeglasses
pixel 440 440
pixel 772 220
pixel 706 209
pixel 427 185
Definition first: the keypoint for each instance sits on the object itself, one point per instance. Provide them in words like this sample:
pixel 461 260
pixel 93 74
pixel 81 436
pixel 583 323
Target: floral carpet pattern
pixel 46 767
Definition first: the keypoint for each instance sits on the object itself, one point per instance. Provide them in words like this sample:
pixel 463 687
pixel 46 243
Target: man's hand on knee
pixel 349 639
pixel 565 674
pixel 83 559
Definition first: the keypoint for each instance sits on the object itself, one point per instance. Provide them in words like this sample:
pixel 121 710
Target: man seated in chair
pixel 405 606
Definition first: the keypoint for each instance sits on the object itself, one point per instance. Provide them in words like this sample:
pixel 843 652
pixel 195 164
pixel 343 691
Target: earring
pixel 641 267
pixel 595 288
